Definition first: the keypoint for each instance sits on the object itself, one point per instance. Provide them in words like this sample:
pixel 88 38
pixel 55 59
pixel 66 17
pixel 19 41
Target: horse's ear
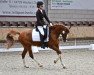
pixel 68 27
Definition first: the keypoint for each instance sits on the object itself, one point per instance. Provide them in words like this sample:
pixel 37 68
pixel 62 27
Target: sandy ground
pixel 78 62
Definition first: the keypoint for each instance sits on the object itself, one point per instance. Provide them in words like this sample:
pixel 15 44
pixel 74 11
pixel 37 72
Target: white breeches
pixel 40 28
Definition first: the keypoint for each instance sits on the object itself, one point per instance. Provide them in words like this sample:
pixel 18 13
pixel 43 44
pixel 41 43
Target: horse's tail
pixel 10 38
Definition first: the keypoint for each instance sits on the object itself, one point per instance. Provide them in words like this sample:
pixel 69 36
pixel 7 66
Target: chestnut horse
pixel 25 38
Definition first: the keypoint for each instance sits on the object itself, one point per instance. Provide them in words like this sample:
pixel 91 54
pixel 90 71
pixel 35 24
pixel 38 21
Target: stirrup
pixel 43 46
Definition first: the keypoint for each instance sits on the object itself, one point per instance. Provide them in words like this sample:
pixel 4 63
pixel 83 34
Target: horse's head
pixel 60 29
pixel 64 33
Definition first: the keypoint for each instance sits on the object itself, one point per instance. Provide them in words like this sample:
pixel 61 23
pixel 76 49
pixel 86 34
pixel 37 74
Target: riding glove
pixel 51 24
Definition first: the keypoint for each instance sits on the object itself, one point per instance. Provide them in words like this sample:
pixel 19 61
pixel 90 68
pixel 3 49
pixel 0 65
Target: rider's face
pixel 41 7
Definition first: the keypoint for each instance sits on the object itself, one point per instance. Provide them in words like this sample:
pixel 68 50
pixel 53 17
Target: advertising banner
pixel 18 7
pixel 72 4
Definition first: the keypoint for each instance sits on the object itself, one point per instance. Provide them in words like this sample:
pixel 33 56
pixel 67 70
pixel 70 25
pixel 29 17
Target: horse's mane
pixel 60 26
pixel 57 28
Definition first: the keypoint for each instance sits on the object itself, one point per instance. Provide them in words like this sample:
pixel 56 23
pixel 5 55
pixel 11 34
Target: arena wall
pixel 5 30
pixel 76 32
pixel 17 18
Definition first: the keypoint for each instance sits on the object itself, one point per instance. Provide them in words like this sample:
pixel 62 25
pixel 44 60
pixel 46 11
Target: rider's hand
pixel 51 24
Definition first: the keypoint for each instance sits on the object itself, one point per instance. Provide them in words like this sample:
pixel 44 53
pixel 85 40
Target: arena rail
pixel 37 49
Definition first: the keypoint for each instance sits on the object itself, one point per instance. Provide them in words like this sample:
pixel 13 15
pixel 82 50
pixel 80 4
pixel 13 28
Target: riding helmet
pixel 39 3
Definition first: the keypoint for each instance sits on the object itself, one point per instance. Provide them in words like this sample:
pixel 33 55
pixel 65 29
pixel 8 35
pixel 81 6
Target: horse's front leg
pixel 56 48
pixel 59 57
pixel 62 62
pixel 55 61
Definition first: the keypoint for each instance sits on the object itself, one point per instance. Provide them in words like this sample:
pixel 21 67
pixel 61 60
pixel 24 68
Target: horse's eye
pixel 63 32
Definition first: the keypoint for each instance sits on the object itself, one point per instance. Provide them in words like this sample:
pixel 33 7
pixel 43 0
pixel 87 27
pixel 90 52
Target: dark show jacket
pixel 40 18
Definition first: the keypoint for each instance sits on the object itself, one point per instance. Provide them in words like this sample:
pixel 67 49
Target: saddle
pixel 36 35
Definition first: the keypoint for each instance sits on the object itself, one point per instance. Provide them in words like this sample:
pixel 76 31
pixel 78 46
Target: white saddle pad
pixel 36 35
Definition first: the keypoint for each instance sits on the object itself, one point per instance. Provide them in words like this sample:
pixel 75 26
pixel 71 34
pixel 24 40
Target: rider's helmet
pixel 39 3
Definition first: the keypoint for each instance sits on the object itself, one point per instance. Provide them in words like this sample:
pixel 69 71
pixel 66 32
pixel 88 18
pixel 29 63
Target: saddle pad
pixel 36 35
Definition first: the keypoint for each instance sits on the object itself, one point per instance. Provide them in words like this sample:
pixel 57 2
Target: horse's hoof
pixel 54 61
pixel 40 65
pixel 26 66
pixel 64 67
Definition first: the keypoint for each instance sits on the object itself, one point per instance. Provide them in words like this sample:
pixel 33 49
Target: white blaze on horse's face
pixel 63 32
pixel 67 36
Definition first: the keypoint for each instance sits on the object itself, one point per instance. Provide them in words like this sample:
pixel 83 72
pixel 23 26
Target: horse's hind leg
pixel 31 55
pixel 23 57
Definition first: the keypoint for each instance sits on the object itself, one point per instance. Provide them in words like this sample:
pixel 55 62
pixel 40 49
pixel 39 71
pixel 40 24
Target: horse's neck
pixel 57 30
pixel 57 33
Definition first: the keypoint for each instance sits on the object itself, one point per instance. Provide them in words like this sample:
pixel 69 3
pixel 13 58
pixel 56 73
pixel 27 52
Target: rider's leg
pixel 41 31
pixel 45 31
pixel 40 28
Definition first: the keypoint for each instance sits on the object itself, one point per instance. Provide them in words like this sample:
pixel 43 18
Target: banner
pixel 18 7
pixel 72 4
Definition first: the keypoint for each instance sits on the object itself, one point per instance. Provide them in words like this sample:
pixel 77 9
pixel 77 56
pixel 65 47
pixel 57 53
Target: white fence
pixel 36 49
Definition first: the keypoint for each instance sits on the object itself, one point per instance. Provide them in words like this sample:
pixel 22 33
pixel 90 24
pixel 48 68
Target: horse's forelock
pixel 63 28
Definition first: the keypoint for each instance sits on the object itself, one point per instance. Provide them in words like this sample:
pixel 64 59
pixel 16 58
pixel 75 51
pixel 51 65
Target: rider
pixel 40 24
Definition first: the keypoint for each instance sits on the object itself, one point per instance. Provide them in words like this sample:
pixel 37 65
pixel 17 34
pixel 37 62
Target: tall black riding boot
pixel 45 32
pixel 42 41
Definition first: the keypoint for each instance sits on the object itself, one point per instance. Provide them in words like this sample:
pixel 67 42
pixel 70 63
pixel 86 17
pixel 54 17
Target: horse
pixel 25 38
